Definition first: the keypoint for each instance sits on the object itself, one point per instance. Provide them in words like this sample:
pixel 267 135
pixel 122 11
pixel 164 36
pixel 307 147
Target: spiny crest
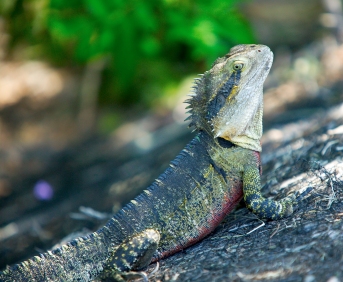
pixel 197 103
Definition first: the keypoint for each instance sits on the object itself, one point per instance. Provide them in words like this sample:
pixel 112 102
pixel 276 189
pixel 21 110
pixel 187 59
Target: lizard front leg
pixel 133 254
pixel 262 207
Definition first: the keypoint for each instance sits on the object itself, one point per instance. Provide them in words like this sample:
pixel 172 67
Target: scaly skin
pixel 202 185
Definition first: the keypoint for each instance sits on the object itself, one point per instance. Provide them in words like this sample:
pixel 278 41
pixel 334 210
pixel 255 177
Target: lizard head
pixel 228 99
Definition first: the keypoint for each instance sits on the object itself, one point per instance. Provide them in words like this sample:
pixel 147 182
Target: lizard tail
pixel 79 260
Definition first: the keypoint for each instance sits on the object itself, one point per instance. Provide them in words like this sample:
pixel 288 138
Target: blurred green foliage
pixel 146 43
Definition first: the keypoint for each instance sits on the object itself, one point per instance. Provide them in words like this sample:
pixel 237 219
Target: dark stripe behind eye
pixel 219 100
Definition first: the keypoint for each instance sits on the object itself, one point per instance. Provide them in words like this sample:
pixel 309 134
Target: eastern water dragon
pixel 218 168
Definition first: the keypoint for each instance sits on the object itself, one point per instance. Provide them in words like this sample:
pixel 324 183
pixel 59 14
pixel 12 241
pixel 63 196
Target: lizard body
pixel 199 188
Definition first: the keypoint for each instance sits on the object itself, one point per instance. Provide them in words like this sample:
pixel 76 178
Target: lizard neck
pixel 250 137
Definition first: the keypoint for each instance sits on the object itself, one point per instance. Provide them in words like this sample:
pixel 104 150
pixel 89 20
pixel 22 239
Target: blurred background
pixel 92 91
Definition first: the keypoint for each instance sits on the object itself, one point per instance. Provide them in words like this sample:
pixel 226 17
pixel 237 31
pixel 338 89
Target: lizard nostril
pixel 259 50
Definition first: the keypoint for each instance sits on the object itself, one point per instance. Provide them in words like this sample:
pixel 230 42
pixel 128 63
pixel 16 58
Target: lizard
pixel 208 178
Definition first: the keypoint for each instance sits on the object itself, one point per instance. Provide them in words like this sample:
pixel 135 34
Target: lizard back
pixel 188 200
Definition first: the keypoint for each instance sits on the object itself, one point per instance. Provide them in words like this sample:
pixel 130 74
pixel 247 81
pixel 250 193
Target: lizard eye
pixel 238 66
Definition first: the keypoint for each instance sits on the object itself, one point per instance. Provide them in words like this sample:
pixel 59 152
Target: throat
pixel 224 143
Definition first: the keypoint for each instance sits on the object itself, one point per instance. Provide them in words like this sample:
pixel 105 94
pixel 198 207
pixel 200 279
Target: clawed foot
pixel 135 275
pixel 299 196
pixel 140 274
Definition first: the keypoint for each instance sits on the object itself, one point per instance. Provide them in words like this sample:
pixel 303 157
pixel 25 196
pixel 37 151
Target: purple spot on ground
pixel 43 190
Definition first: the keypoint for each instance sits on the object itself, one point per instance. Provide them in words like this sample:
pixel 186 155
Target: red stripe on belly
pixel 230 200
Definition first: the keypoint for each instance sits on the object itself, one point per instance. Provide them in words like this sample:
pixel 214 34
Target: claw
pixel 157 267
pixel 300 196
pixel 135 275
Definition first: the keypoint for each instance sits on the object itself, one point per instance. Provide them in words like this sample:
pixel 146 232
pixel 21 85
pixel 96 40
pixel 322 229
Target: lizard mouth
pixel 268 65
